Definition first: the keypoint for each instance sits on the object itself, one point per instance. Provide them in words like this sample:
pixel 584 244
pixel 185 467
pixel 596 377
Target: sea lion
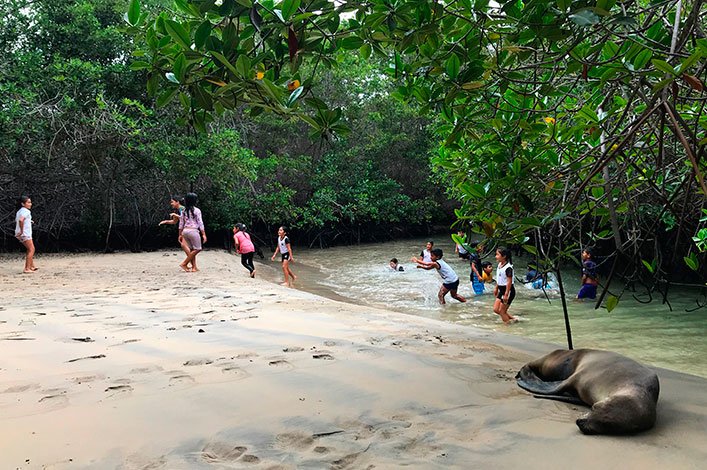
pixel 622 393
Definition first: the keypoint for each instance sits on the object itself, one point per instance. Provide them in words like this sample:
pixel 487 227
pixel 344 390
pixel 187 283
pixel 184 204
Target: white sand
pixel 123 361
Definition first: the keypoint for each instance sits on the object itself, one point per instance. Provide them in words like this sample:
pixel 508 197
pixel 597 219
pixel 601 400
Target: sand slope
pixel 123 361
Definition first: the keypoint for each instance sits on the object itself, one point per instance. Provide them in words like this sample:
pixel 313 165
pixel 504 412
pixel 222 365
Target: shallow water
pixel 650 333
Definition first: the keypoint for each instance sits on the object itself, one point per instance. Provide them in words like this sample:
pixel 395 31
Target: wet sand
pixel 124 361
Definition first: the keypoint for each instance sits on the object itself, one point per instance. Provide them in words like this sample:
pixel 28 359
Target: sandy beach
pixel 123 361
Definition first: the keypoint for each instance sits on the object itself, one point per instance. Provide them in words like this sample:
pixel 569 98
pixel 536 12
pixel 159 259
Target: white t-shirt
pixel 426 256
pixel 447 273
pixel 27 224
pixel 501 277
pixel 282 244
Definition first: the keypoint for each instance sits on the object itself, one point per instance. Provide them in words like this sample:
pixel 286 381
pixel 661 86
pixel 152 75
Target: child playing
pixel 505 292
pixel 590 279
pixel 487 271
pixel 285 250
pixel 450 280
pixel 459 248
pixel 23 231
pixel 245 247
pixel 176 203
pixel 395 266
pixel 475 277
pixel 191 225
pixel 426 253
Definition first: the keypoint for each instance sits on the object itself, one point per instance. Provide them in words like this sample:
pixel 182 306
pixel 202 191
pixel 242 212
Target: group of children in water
pixel 192 236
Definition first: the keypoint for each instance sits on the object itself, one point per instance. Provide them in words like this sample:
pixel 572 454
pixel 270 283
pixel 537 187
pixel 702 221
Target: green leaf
pixel 178 33
pixel 179 67
pixel 452 66
pixel 202 34
pixel 134 12
pixel 563 5
pixel 530 249
pixel 691 262
pixel 642 58
pixel 243 65
pixel 171 77
pixel 611 302
pixel 585 18
pixel 365 51
pixel 663 66
pixel 289 7
pixel 225 62
pixel 139 65
pixel 351 43
pixel 293 96
pixel 648 266
pixel 166 96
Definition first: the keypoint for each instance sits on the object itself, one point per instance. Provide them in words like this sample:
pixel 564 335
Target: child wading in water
pixel 505 291
pixel 190 225
pixel 245 247
pixel 589 276
pixel 285 250
pixel 23 231
pixel 450 280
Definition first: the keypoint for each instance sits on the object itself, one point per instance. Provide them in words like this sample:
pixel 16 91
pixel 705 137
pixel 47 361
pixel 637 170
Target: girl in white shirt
pixel 505 291
pixel 285 249
pixel 23 231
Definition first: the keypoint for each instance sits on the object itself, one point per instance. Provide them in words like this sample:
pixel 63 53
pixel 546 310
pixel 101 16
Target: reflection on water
pixel 648 332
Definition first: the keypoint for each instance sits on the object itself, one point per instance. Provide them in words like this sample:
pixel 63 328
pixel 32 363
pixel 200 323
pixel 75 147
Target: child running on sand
pixel 285 250
pixel 504 292
pixel 23 231
pixel 245 247
pixel 176 202
pixel 190 225
pixel 450 280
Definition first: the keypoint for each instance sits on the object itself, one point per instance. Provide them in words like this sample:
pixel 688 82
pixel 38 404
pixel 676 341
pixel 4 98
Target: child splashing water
pixel 450 280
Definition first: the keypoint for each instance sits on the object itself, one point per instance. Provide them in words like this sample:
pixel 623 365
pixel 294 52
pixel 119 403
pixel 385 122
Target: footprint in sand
pixel 87 379
pixel 181 380
pixel 234 371
pixel 118 391
pixel 21 388
pixel 54 401
pixel 97 356
pixel 323 356
pixel 292 349
pixel 145 370
pixel 218 452
pixel 198 362
pixel 294 440
pixel 281 363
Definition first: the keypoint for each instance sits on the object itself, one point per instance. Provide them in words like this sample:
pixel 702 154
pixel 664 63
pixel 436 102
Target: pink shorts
pixel 23 238
pixel 193 238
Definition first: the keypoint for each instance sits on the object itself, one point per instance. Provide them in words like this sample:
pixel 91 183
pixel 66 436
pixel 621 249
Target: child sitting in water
pixel 395 266
pixel 450 280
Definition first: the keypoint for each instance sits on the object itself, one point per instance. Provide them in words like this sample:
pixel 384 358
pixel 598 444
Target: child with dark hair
pixel 450 280
pixel 590 280
pixel 395 266
pixel 285 250
pixel 245 247
pixel 487 271
pixel 505 292
pixel 191 225
pixel 426 254
pixel 23 231
pixel 474 257
pixel 177 205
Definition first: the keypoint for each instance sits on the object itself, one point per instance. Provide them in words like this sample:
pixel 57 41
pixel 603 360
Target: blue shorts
pixel 452 286
pixel 588 291
pixel 476 285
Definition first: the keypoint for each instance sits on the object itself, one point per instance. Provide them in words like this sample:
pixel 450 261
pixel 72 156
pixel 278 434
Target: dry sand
pixel 123 361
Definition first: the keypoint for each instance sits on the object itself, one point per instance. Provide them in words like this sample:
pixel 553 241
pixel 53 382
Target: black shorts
pixel 285 256
pixel 452 286
pixel 511 296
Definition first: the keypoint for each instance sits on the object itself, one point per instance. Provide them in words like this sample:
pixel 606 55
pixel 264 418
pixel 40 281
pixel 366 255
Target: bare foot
pixel 185 268
pixel 252 275
pixel 34 268
pixel 284 284
pixel 194 270
pixel 27 272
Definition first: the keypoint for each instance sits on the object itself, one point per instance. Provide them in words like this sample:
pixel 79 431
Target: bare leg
pixel 457 296
pixel 440 295
pixel 505 316
pixel 186 250
pixel 286 272
pixel 29 257
pixel 190 259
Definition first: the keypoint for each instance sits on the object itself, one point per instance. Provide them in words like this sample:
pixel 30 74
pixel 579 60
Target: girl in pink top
pixel 190 225
pixel 245 247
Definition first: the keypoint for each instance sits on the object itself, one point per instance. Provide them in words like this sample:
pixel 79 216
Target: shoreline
pixel 122 361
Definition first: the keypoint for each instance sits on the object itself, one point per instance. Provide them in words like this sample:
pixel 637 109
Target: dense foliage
pixel 79 134
pixel 565 122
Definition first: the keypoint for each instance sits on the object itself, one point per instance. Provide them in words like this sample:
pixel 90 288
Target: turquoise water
pixel 650 333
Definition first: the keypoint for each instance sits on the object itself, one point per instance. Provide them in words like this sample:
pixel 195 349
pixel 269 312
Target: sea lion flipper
pixel 565 398
pixel 535 385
